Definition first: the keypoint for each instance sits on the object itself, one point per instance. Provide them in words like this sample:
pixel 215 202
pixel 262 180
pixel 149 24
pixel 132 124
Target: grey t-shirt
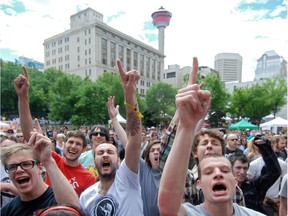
pixel 199 210
pixel 149 181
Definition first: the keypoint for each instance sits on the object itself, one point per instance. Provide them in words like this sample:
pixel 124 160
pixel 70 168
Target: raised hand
pixel 129 80
pixel 192 102
pixel 112 110
pixel 21 83
pixel 42 147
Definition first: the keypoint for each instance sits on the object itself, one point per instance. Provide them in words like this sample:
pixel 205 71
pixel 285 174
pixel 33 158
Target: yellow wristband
pixel 135 108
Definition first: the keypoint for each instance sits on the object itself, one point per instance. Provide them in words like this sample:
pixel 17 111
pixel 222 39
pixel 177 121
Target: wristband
pixel 135 108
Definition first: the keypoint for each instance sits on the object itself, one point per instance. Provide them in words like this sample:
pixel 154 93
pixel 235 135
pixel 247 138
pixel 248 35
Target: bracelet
pixel 135 108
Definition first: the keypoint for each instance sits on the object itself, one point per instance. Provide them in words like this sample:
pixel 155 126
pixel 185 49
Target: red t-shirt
pixel 78 176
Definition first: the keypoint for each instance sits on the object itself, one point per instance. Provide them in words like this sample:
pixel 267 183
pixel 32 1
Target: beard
pixel 106 175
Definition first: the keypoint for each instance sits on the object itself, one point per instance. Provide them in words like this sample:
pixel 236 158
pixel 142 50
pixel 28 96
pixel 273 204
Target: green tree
pixel 259 100
pixel 160 101
pixel 9 99
pixel 276 93
pixel 220 99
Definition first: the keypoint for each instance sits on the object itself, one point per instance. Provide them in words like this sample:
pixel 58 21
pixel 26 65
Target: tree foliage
pixel 220 98
pixel 160 101
pixel 259 100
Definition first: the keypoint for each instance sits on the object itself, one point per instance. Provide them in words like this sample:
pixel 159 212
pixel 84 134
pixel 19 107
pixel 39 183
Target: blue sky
pixel 197 28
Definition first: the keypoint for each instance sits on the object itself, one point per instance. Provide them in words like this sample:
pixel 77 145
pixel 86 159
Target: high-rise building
pixel 90 48
pixel 229 66
pixel 270 64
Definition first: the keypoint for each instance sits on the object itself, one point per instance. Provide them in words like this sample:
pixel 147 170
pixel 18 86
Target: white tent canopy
pixel 119 118
pixel 274 124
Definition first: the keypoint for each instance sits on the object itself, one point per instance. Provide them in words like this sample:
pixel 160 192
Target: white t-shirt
pixel 122 198
pixel 199 210
pixel 255 171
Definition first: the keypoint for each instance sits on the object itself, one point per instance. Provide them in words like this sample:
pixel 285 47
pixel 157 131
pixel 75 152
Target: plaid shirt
pixel 192 193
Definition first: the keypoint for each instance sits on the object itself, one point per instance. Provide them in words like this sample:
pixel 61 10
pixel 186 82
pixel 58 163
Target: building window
pixel 113 54
pixel 121 53
pixel 153 69
pixel 147 67
pixel 128 53
pixel 171 75
pixel 141 65
pixel 135 60
pixel 104 53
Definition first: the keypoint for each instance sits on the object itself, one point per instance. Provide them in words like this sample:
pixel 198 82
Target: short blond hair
pixel 8 151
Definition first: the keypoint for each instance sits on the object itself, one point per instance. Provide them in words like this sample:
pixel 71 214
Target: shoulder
pixel 243 211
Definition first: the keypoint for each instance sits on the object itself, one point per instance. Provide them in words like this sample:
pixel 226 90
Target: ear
pixel 195 154
pixel 236 181
pixel 40 166
pixel 199 184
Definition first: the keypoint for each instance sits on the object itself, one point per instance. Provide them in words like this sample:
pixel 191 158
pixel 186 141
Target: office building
pixel 270 64
pixel 178 77
pixel 90 48
pixel 229 66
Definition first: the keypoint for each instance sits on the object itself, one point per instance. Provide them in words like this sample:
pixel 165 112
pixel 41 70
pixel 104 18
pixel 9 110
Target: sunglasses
pixel 102 134
pixel 234 139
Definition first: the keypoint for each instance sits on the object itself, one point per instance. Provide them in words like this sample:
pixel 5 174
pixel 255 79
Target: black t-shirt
pixel 17 207
pixel 229 152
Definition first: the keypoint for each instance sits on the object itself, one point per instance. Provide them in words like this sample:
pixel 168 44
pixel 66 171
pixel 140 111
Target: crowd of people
pixel 183 169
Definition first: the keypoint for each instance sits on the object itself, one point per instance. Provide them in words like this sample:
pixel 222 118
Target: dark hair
pixel 147 151
pixel 215 133
pixel 79 134
pixel 61 210
pixel 102 129
pixel 240 157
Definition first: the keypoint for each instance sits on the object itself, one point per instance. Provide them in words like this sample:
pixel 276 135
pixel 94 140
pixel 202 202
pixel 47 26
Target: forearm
pixel 174 175
pixel 121 133
pixel 63 190
pixel 270 160
pixel 134 129
pixel 283 206
pixel 25 117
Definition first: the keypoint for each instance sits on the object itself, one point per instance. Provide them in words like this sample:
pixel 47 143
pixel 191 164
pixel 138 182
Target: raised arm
pixel 21 85
pixel 113 111
pixel 192 105
pixel 133 121
pixel 63 190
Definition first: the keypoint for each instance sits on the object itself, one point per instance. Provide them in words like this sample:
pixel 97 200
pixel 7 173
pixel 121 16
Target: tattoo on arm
pixel 133 124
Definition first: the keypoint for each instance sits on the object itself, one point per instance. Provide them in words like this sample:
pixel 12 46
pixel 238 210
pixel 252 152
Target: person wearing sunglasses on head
pixel 98 135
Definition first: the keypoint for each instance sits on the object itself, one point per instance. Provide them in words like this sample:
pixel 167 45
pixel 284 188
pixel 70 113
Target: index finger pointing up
pixel 121 70
pixel 193 75
pixel 25 71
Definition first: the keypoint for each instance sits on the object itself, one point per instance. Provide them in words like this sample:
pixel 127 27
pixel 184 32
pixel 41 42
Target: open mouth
pixel 106 164
pixel 23 180
pixel 157 159
pixel 219 187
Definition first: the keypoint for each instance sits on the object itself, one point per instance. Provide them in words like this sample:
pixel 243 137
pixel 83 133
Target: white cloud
pixel 197 28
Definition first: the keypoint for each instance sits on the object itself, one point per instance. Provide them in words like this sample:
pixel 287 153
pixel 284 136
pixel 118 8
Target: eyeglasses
pixel 25 165
pixel 234 139
pixel 102 134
